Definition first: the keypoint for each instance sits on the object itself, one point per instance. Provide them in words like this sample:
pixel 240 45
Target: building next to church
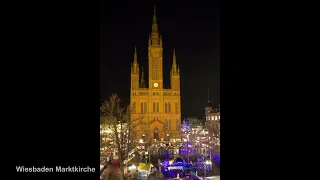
pixel 158 108
pixel 195 121
pixel 213 119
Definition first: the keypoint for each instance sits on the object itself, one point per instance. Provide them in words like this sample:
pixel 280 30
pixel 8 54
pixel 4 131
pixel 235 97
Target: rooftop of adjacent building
pixel 194 121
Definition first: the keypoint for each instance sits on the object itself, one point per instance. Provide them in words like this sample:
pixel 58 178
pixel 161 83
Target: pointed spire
pixel 174 57
pixel 175 71
pixel 142 83
pixel 135 55
pixel 154 22
pixel 135 66
pixel 154 32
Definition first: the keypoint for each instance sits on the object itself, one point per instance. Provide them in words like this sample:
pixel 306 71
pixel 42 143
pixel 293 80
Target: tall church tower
pixel 159 109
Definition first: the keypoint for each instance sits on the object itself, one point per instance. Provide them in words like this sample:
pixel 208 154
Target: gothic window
pixel 141 107
pixel 154 72
pixel 134 107
pixel 157 106
pixel 169 107
pixel 170 124
pixel 145 107
pixel 165 107
pixel 154 107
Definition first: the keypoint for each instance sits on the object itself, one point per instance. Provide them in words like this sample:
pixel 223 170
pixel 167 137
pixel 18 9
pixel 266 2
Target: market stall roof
pixel 162 147
pixel 144 166
pixel 170 147
pixel 135 160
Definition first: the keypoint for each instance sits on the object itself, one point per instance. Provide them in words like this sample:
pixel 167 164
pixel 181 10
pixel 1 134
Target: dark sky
pixel 192 29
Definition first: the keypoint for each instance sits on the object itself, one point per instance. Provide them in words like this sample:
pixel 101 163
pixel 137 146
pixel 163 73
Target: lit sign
pixel 175 167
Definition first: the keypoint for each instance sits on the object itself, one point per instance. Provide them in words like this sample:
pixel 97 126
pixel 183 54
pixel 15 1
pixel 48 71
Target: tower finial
pixel 174 57
pixel 154 33
pixel 154 16
pixel 135 55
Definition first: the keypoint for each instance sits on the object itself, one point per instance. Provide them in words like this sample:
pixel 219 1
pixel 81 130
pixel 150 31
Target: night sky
pixel 192 29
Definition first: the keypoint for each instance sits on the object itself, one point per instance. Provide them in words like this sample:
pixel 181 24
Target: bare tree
pixel 121 124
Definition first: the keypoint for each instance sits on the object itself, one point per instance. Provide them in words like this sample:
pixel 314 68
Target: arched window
pixel 177 124
pixel 154 107
pixel 165 107
pixel 157 106
pixel 169 107
pixel 141 107
pixel 134 107
pixel 145 107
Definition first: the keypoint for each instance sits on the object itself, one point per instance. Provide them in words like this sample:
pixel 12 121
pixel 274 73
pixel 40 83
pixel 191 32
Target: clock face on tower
pixel 155 84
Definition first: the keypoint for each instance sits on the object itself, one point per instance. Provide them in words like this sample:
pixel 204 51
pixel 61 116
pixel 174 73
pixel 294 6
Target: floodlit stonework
pixel 159 107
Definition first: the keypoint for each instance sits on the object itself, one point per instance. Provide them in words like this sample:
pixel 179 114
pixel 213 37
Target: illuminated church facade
pixel 158 108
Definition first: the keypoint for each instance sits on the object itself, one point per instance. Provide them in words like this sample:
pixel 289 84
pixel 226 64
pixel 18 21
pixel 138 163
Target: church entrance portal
pixel 156 134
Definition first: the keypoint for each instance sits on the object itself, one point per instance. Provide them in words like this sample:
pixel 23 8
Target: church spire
pixel 135 66
pixel 154 22
pixel 174 63
pixel 142 83
pixel 174 57
pixel 154 33
pixel 135 55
